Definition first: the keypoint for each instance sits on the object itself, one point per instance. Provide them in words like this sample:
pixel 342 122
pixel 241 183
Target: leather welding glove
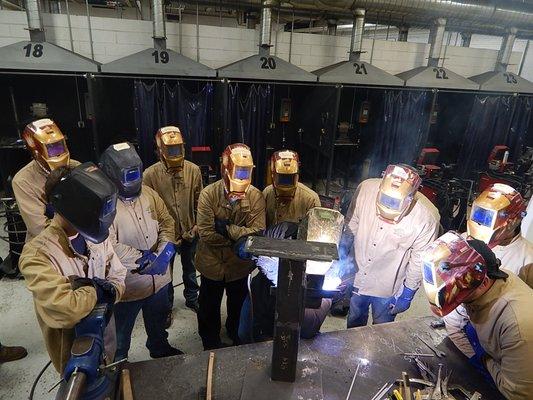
pixel 106 293
pixel 221 227
pixel 403 302
pixel 147 257
pixel 160 264
pixel 478 359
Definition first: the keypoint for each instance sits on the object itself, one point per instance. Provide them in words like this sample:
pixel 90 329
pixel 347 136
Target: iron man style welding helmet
pixel 495 214
pixel 452 270
pixel 47 144
pixel 171 147
pixel 396 192
pixel 236 170
pixel 284 168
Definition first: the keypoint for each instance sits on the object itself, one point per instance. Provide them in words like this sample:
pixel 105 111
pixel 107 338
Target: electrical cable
pixel 32 391
pixel 181 283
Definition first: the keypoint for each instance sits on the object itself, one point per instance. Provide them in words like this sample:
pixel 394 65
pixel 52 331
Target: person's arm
pixel 255 220
pixel 56 303
pixel 351 221
pixel 206 223
pixel 31 207
pixel 116 271
pixel 316 201
pixel 148 178
pixel 127 254
pixel 526 274
pixel 455 323
pixel 164 219
pixel 314 318
pixel 197 188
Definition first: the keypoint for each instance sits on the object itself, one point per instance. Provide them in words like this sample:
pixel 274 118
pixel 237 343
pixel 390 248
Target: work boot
pixel 171 351
pixel 168 321
pixel 13 353
pixel 193 305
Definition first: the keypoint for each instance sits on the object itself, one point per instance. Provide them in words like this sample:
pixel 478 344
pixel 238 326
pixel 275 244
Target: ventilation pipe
pixel 403 32
pixel 505 50
pixel 158 19
pixel 356 45
pixel 436 39
pixel 266 26
pixel 466 38
pixel 35 23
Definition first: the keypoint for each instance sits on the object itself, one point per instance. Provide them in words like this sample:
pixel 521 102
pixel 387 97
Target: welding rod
pixel 353 381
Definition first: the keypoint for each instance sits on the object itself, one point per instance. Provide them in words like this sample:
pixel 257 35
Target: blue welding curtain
pixel 249 110
pixel 159 103
pixel 494 120
pixel 402 129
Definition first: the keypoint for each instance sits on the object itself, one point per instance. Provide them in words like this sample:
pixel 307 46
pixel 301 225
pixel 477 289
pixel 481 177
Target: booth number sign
pixel 161 56
pixel 33 50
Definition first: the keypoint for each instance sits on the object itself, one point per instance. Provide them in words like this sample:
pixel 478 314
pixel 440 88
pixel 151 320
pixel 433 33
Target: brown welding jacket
pixel 46 263
pixel 180 192
pixel 28 187
pixel 215 258
pixel 292 211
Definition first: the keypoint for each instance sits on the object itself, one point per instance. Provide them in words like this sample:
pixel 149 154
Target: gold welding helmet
pixel 452 269
pixel 171 147
pixel 396 192
pixel 47 144
pixel 495 214
pixel 236 170
pixel 284 167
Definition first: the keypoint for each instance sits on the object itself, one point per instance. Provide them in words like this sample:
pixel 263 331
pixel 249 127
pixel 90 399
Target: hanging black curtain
pixel 145 107
pixel 249 112
pixel 194 115
pixel 517 137
pixel 402 129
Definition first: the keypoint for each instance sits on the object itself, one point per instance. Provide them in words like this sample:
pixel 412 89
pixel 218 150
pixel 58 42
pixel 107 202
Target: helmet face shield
pixel 131 175
pixel 56 149
pixel 285 173
pixel 171 147
pixel 236 169
pixel 242 173
pixel 483 217
pixel 396 192
pixel 47 144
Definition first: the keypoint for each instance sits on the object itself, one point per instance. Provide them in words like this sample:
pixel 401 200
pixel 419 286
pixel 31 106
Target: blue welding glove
pixel 477 360
pixel 49 211
pixel 403 302
pixel 221 227
pixel 238 248
pixel 147 257
pixel 106 294
pixel 160 265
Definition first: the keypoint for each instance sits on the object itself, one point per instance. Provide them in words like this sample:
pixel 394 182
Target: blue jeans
pixel 154 309
pixel 190 284
pixel 246 322
pixel 359 305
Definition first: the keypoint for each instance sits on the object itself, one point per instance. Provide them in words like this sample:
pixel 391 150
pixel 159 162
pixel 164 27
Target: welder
pixel 48 147
pixel 495 219
pixel 179 183
pixel 71 265
pixel 498 305
pixel 142 234
pixel 391 223
pixel 227 209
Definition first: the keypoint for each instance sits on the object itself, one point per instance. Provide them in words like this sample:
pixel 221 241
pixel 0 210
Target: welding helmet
pixel 495 214
pixel 284 170
pixel 47 144
pixel 87 199
pixel 236 170
pixel 121 163
pixel 396 192
pixel 171 147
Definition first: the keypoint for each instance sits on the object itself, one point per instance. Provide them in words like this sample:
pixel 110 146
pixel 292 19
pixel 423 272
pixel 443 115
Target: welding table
pixel 326 367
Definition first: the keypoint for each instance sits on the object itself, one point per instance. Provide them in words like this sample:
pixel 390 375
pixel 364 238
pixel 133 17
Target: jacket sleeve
pixel 56 303
pixel 31 207
pixel 316 201
pixel 455 322
pixel 526 274
pixel 351 221
pixel 126 254
pixel 165 221
pixel 148 178
pixel 255 220
pixel 198 187
pixel 205 220
pixel 116 273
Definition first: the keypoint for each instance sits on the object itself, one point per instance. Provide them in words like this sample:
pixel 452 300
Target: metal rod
pixel 15 113
pixel 276 40
pixel 69 26
pixel 523 59
pixel 333 129
pixel 374 40
pixel 290 40
pixel 446 48
pixel 505 50
pixel 180 30
pixel 437 37
pixel 353 381
pixel 197 34
pixel 90 28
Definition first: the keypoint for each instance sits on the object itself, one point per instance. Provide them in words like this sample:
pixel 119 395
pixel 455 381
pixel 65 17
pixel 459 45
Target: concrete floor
pixel 18 326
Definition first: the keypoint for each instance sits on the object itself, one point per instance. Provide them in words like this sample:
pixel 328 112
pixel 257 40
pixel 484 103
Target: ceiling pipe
pixel 356 45
pixel 403 32
pixel 158 22
pixel 504 55
pixel 466 38
pixel 436 38
pixel 35 23
pixel 266 26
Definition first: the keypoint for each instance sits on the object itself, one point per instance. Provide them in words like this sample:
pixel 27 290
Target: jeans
pixel 210 299
pixel 246 332
pixel 154 309
pixel 190 284
pixel 358 314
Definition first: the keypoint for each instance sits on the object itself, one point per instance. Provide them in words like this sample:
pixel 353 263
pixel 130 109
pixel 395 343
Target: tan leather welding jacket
pixel 293 211
pixel 141 224
pixel 28 187
pixel 46 263
pixel 503 321
pixel 180 192
pixel 389 255
pixel 215 258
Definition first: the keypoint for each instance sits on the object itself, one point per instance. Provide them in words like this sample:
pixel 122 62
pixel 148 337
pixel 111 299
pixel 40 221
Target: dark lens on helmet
pixel 55 149
pixel 109 206
pixel 286 179
pixel 428 273
pixel 389 202
pixel 132 175
pixel 242 173
pixel 482 216
pixel 174 151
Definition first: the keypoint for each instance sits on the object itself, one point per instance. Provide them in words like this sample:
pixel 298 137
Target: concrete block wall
pixel 114 38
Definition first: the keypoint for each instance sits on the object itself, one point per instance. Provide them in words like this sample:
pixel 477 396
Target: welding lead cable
pixel 32 391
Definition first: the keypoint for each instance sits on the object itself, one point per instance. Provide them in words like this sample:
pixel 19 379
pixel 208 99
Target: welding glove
pixel 106 293
pixel 49 211
pixel 221 226
pixel 160 264
pixel 238 248
pixel 403 302
pixel 147 257
pixel 478 359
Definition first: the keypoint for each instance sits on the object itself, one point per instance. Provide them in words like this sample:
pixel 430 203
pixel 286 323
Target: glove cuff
pixel 407 293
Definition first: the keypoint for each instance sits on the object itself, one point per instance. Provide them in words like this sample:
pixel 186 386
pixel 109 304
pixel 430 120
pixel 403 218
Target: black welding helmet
pixel 121 163
pixel 87 199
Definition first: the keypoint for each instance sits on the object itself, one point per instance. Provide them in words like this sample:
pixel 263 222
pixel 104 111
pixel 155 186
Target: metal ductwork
pixel 436 40
pixel 35 23
pixel 158 21
pixel 356 45
pixel 505 50
pixel 266 23
pixel 403 32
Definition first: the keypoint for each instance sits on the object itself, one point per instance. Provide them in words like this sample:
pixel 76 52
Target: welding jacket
pixel 215 258
pixel 141 224
pixel 503 321
pixel 292 211
pixel 28 187
pixel 180 192
pixel 387 255
pixel 46 263
pixel 516 257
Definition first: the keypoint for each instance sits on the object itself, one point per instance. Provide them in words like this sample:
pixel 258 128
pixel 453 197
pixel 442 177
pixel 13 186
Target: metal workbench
pixel 326 367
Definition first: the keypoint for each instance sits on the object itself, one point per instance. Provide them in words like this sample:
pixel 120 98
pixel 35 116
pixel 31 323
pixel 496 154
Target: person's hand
pixel 106 293
pixel 403 302
pixel 478 359
pixel 147 257
pixel 159 265
pixel 238 248
pixel 221 227
pixel 194 231
pixel 49 211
